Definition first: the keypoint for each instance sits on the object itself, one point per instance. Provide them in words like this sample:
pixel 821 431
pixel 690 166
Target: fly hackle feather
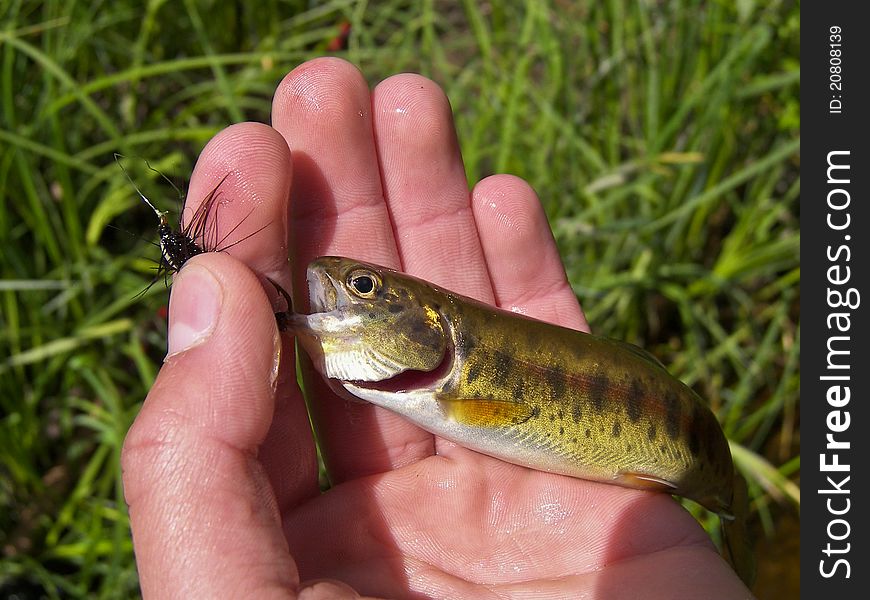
pixel 198 235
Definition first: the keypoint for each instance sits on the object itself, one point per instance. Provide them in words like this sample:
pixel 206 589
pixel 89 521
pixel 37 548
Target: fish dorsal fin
pixel 638 352
pixel 479 412
pixel 643 481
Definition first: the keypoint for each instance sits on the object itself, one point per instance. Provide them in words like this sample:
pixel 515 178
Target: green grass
pixel 663 139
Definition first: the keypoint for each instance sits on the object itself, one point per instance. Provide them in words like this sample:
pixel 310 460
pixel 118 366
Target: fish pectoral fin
pixel 642 481
pixel 486 413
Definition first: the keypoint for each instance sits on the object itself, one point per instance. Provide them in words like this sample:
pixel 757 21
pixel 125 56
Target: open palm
pixel 220 470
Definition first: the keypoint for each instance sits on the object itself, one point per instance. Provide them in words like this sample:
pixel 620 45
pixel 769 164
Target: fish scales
pixel 604 410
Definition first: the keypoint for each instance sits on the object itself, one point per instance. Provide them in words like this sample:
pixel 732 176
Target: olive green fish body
pixel 518 389
pixel 583 405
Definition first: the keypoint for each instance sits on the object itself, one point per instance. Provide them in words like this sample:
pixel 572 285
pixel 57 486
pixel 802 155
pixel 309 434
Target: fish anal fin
pixel 644 481
pixel 715 504
pixel 479 412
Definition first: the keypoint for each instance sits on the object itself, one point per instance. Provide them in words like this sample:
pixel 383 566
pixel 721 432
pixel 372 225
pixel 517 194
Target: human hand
pixel 220 471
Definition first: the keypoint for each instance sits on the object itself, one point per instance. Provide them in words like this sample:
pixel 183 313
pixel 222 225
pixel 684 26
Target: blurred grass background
pixel 662 136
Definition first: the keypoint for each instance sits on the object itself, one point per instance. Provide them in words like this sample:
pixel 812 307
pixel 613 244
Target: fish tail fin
pixel 736 547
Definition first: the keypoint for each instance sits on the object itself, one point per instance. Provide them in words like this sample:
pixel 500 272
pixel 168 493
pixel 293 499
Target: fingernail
pixel 194 306
pixel 276 362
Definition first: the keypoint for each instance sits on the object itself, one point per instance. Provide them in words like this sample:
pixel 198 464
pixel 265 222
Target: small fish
pixel 515 388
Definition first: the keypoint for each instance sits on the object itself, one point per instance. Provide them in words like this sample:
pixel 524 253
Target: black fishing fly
pixel 177 246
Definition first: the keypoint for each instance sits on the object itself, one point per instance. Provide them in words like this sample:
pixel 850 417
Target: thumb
pixel 203 514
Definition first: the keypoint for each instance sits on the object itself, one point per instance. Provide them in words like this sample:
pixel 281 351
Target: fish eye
pixel 364 283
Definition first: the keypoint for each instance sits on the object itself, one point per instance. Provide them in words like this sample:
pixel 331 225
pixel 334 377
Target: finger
pixel 204 519
pixel 521 254
pixel 249 169
pixel 252 164
pixel 425 186
pixel 323 110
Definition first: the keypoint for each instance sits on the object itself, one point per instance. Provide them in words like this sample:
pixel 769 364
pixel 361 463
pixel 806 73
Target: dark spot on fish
pixel 419 327
pixel 518 391
pixel 428 336
pixel 552 417
pixel 617 428
pixel 576 412
pixel 503 364
pixel 651 432
pixel 473 372
pixel 672 414
pixel 663 449
pixel 466 343
pixel 629 448
pixel 557 381
pixel 372 315
pixel 588 433
pixel 598 387
pixel 395 308
pixel 536 410
pixel 573 440
pixel 561 414
pixel 561 431
pixel 634 402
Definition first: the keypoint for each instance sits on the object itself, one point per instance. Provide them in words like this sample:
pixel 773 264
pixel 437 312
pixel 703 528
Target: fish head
pixel 369 323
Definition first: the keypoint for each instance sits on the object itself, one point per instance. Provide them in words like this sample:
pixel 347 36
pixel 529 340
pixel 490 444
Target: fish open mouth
pixel 411 381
